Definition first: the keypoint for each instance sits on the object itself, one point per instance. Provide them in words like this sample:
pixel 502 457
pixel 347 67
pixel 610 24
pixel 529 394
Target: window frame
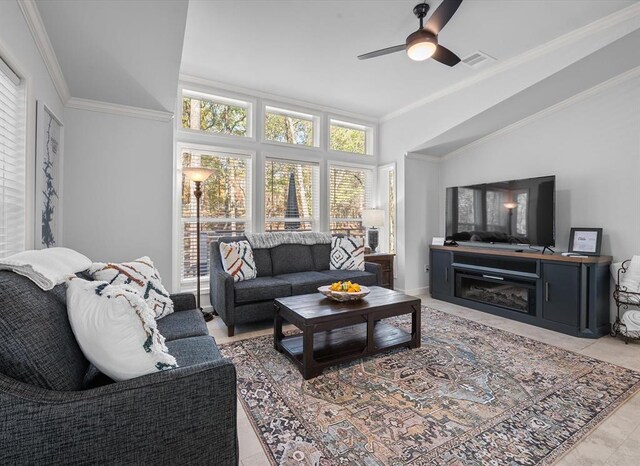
pixel 178 243
pixel 226 98
pixel 291 110
pixel 369 201
pixel 369 136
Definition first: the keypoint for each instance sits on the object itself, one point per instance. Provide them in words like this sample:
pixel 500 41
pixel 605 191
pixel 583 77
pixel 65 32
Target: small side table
pixel 386 262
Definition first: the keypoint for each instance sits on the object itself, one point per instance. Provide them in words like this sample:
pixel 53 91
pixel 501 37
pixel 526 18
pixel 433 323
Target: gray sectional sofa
pixel 284 270
pixel 56 408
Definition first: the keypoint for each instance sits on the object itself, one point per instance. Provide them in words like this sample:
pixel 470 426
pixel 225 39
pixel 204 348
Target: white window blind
pixel 350 191
pixel 12 163
pixel 291 195
pixel 225 206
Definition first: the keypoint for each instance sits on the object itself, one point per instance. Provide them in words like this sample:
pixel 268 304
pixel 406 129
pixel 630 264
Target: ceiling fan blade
pixel 445 56
pixel 377 53
pixel 442 15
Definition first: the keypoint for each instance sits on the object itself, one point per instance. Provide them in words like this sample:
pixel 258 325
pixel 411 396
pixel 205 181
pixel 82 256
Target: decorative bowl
pixel 343 296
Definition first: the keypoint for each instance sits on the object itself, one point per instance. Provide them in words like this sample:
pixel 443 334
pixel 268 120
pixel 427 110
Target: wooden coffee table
pixel 334 332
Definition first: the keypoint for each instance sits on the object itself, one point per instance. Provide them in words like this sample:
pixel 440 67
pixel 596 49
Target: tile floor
pixel 615 442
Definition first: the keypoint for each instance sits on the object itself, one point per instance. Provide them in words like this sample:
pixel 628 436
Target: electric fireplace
pixel 497 290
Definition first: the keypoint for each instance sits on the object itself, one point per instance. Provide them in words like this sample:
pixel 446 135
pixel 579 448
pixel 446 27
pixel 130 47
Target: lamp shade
pixel 197 173
pixel 510 205
pixel 373 217
pixel 421 45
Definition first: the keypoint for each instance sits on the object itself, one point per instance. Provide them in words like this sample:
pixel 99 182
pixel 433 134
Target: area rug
pixel 470 395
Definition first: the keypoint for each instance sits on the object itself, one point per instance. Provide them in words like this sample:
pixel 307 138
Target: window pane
pixel 466 209
pixel 209 231
pixel 224 192
pixel 290 193
pixel 290 129
pixel 346 139
pixel 223 205
pixel 214 117
pixel 12 163
pixel 349 190
pixel 392 211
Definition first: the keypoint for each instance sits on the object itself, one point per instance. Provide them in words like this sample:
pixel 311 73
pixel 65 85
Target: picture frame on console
pixel 585 241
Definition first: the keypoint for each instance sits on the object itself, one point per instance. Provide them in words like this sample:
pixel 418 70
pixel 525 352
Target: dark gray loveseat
pixel 56 408
pixel 284 270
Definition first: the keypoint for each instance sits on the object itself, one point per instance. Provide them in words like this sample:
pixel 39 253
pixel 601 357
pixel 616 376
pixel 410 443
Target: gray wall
pixel 19 50
pixel 593 148
pixel 118 188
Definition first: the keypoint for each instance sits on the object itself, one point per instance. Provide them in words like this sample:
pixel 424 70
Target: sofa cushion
pixel 305 282
pixel 194 350
pixel 237 260
pixel 37 345
pixel 116 329
pixel 260 289
pixel 357 276
pixel 143 278
pixel 262 258
pixel 321 256
pixel 183 324
pixel 291 258
pixel 347 253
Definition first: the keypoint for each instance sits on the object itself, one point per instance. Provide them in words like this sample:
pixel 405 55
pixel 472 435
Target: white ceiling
pixel 613 60
pixel 122 52
pixel 307 49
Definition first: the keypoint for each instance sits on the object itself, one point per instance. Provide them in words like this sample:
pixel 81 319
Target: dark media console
pixel 565 294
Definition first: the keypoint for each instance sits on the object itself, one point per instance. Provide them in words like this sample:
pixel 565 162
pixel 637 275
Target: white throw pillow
pixel 142 276
pixel 237 260
pixel 116 330
pixel 631 278
pixel 347 253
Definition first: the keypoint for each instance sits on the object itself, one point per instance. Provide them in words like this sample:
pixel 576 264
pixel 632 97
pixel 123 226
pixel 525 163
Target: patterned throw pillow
pixel 142 276
pixel 116 330
pixel 237 260
pixel 347 253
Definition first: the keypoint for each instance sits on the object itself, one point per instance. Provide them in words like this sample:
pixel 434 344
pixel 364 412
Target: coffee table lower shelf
pixel 344 344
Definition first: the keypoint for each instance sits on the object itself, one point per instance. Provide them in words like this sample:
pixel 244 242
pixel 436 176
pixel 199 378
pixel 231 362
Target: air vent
pixel 476 59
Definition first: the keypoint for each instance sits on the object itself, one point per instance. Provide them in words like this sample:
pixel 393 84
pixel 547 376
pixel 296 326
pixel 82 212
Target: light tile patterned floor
pixel 615 442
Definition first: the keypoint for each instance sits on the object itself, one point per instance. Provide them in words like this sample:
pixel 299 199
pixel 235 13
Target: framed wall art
pixel 585 241
pixel 48 198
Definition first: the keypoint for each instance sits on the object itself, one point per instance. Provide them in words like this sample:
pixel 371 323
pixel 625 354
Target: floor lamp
pixel 198 175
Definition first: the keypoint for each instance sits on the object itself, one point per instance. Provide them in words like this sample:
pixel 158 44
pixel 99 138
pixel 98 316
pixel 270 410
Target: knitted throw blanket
pixel 270 240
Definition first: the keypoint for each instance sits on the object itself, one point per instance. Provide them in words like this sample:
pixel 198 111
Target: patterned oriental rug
pixel 470 395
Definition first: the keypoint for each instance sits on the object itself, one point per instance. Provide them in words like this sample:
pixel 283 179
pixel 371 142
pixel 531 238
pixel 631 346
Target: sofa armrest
pixel 221 290
pixel 180 416
pixel 374 268
pixel 183 301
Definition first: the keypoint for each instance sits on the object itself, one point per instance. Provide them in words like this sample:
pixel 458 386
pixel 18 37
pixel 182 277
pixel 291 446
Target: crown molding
pixel 117 109
pixel 598 88
pixel 580 34
pixel 420 156
pixel 36 26
pixel 190 79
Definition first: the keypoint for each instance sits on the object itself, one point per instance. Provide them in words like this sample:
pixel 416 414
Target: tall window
pixel 213 114
pixel 291 195
pixel 225 206
pixel 349 194
pixel 391 180
pixel 290 127
pixel 12 163
pixel 349 137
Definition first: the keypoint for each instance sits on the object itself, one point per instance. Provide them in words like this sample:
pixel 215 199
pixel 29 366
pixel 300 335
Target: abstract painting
pixel 48 221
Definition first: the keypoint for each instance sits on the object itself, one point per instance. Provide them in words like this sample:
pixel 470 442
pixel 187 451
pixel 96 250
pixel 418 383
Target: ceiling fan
pixel 423 43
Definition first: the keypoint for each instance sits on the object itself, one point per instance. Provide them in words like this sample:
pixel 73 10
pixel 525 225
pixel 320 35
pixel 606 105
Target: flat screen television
pixel 508 212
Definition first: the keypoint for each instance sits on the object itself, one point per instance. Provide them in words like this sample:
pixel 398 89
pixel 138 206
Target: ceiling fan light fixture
pixel 421 45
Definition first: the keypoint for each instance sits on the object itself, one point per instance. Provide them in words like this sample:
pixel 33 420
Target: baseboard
pixel 415 291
